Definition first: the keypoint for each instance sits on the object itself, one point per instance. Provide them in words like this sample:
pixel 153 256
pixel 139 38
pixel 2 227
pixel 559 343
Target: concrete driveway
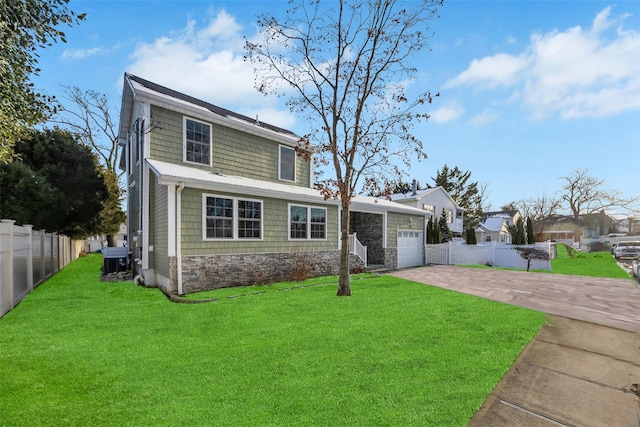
pixel 583 367
pixel 611 302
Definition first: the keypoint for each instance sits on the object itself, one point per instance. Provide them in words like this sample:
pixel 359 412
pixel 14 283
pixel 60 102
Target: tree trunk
pixel 344 281
pixel 111 240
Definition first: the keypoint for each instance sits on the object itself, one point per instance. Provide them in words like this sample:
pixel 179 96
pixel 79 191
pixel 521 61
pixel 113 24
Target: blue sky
pixel 530 91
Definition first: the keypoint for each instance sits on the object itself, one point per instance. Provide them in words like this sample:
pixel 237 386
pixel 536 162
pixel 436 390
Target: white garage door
pixel 409 248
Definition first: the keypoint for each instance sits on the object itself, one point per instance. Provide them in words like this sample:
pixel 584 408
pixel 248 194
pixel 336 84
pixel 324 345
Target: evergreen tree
pixel 531 234
pixel 470 236
pixel 517 232
pixel 466 194
pixel 433 232
pixel 70 172
pixel 445 233
pixel 112 215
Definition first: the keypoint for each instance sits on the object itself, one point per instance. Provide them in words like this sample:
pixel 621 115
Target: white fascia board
pixel 126 106
pixel 146 95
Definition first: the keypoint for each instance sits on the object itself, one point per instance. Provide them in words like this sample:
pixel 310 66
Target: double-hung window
pixel 306 222
pixel 249 219
pixel 449 215
pixel 286 164
pixel 429 208
pixel 197 142
pixel 230 218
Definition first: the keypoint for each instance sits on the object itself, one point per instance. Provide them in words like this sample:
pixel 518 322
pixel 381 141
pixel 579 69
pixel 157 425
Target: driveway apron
pixel 611 302
pixel 583 367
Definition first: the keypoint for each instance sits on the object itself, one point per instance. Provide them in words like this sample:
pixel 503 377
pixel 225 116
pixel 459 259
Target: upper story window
pixel 306 222
pixel 287 164
pixel 230 218
pixel 449 215
pixel 429 208
pixel 197 142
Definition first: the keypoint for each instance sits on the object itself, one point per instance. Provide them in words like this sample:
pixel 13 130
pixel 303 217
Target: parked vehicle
pixel 635 267
pixel 627 250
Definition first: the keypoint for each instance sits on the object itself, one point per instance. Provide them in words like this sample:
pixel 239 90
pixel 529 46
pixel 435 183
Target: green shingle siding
pixel 160 227
pixel 274 223
pixel 233 152
pixel 397 221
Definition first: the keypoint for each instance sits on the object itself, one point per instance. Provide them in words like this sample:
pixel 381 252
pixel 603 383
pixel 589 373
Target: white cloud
pixel 83 53
pixel 208 63
pixel 573 73
pixel 486 117
pixel 446 114
pixel 491 71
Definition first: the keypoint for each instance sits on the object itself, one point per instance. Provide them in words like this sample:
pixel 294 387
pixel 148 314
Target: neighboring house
pixel 217 199
pixel 97 242
pixel 433 201
pixel 583 233
pixel 495 226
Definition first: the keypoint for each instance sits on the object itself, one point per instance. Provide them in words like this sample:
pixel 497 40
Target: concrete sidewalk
pixel 574 373
pixel 583 367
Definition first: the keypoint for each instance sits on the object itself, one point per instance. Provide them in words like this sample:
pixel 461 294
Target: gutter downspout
pixel 179 236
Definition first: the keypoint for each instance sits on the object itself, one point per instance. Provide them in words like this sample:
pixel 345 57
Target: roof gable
pixel 138 89
pixel 423 195
pixel 200 103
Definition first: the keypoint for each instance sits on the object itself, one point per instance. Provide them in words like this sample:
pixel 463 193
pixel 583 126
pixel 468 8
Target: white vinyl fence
pixel 495 254
pixel 27 258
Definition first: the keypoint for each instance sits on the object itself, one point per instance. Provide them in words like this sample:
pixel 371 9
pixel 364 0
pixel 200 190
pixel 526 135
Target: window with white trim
pixel 249 219
pixel 197 142
pixel 306 222
pixel 231 218
pixel 286 163
pixel 429 208
pixel 449 215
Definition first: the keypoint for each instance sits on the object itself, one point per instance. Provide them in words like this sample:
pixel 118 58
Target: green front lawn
pixel 81 352
pixel 594 264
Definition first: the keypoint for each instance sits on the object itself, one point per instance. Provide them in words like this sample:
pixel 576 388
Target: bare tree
pixel 90 119
pixel 346 68
pixel 539 208
pixel 585 194
pixel 484 193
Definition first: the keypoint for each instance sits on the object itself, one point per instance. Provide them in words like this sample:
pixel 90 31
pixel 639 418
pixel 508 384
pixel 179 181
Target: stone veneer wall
pixel 200 273
pixel 391 258
pixel 368 228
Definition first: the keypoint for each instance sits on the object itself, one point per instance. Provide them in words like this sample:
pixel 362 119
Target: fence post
pixel 29 229
pixel 43 256
pixel 494 247
pixel 55 254
pixel 6 266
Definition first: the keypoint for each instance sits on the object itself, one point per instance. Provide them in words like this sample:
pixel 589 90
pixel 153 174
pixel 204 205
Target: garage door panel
pixel 410 248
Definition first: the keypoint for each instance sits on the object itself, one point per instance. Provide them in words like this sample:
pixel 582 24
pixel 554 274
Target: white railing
pixel 457 225
pixel 357 248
